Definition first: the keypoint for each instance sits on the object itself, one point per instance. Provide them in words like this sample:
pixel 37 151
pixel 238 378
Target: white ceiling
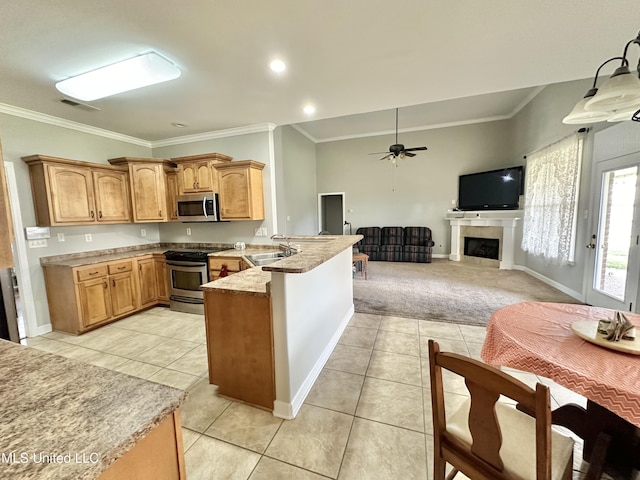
pixel 460 61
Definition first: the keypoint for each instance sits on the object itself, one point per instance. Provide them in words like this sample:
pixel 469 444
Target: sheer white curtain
pixel 551 200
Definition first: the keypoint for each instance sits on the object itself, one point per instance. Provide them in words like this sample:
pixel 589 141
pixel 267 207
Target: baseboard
pixel 42 329
pixel 288 411
pixel 572 293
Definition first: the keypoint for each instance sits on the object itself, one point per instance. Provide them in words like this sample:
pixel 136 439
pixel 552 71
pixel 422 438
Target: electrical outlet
pixel 143 232
pixel 264 232
pixel 258 232
pixel 188 231
pixel 37 243
pixel 88 238
pixel 61 237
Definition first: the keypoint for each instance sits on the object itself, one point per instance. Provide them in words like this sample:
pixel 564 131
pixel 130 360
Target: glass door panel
pixel 615 229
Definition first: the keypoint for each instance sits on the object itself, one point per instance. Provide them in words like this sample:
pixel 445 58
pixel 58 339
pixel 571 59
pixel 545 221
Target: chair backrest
pixel 485 384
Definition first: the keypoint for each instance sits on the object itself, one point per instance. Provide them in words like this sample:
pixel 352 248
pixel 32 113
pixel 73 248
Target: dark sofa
pixel 396 244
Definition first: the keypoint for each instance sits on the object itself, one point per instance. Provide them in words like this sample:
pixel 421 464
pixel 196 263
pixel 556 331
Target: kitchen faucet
pixel 288 251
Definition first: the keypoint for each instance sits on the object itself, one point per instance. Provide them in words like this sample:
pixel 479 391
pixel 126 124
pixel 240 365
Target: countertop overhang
pixel 54 406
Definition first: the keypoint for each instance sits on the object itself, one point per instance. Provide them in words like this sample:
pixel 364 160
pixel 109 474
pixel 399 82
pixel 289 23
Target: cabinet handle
pixel 100 214
pixel 122 267
pixel 159 213
pixel 194 185
pixel 105 285
pixel 94 273
pixel 139 267
pixel 113 282
pixel 93 214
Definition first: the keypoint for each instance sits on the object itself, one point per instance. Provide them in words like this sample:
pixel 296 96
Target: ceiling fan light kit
pixel 398 150
pixel 618 98
pixel 136 72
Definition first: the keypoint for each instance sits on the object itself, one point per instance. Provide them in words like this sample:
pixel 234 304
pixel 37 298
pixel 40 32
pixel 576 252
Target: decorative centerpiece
pixel 618 328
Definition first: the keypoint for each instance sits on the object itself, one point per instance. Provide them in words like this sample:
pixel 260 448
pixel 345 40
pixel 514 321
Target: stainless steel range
pixel 188 269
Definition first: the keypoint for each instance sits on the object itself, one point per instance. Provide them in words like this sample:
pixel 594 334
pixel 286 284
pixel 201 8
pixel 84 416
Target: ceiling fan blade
pixel 378 153
pixel 414 149
pixel 386 157
pixel 409 154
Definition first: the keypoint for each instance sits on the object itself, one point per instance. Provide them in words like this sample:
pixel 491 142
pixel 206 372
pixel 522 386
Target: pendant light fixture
pixel 140 71
pixel 617 99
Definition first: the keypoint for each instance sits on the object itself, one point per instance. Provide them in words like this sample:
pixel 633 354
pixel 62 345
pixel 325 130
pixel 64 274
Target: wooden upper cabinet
pixel 113 203
pixel 241 194
pixel 148 186
pixel 70 192
pixel 172 195
pixel 197 173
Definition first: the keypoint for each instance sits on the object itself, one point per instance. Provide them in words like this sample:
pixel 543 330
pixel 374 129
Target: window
pixel 551 201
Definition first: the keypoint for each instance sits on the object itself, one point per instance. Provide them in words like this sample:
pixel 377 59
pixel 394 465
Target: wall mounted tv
pixel 492 190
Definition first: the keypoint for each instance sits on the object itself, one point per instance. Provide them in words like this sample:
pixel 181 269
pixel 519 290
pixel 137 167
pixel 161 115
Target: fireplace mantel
pixel 506 220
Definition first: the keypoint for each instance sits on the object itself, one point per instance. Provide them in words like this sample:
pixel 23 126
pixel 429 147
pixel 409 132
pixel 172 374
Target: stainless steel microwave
pixel 198 207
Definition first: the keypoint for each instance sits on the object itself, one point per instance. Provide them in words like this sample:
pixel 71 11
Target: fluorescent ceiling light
pixel 141 71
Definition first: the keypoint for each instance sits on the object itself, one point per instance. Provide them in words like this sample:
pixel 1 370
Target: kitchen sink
pixel 260 259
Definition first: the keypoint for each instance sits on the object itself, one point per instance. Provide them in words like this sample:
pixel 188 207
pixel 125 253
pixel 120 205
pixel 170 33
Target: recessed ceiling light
pixel 141 71
pixel 179 125
pixel 278 66
pixel 309 109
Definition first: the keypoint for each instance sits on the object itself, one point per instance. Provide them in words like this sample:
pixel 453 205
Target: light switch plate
pixel 88 237
pixel 37 243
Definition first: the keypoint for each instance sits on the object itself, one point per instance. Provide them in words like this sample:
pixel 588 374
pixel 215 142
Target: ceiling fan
pixel 397 150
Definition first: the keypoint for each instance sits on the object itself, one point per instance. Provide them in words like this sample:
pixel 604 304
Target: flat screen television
pixel 492 190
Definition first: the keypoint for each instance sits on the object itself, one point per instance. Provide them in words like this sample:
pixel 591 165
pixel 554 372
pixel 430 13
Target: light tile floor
pixel 367 417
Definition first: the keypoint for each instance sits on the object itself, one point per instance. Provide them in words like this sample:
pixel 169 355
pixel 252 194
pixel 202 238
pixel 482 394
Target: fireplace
pixel 496 225
pixel 482 247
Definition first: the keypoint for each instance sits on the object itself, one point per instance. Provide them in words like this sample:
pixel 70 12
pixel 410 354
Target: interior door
pixel 614 261
pixel 331 213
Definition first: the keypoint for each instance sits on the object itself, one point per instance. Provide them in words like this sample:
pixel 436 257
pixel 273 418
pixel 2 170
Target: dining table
pixel 548 339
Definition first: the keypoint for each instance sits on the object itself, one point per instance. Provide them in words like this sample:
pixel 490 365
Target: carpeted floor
pixel 446 291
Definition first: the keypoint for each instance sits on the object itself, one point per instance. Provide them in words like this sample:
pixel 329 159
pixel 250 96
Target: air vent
pixel 82 106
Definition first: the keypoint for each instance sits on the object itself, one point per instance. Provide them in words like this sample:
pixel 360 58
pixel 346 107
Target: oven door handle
pixel 204 206
pixel 178 263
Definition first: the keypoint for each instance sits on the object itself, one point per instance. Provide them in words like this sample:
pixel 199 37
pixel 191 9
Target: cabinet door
pixel 112 196
pixel 148 185
pixel 172 196
pixel 195 177
pixel 234 194
pixel 123 293
pixel 95 301
pixel 162 279
pixel 147 281
pixel 71 194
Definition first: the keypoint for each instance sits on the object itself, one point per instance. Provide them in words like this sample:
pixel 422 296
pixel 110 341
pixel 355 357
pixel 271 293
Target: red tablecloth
pixel 537 338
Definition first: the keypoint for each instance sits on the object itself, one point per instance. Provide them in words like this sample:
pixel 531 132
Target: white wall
pixel 298 206
pixel 537 125
pixel 420 190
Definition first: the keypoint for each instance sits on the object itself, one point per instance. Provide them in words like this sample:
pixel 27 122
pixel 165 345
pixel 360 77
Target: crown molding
pixel 61 122
pixel 303 132
pixel 229 132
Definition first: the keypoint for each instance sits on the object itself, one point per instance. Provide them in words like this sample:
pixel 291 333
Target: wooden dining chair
pixel 488 439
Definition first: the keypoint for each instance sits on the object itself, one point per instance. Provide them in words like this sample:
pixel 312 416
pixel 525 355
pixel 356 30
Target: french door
pixel 614 258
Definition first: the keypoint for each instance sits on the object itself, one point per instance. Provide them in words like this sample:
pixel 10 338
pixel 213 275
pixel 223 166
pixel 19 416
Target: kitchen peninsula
pixel 271 329
pixel 64 419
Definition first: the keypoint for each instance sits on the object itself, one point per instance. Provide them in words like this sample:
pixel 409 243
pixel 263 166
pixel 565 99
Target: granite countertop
pixel 315 250
pixel 54 406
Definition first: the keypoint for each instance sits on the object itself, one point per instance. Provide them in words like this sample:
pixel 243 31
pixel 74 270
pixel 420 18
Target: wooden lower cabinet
pixel 234 265
pixel 240 346
pixel 83 298
pixel 162 279
pixel 95 301
pixel 147 280
pixel 157 456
